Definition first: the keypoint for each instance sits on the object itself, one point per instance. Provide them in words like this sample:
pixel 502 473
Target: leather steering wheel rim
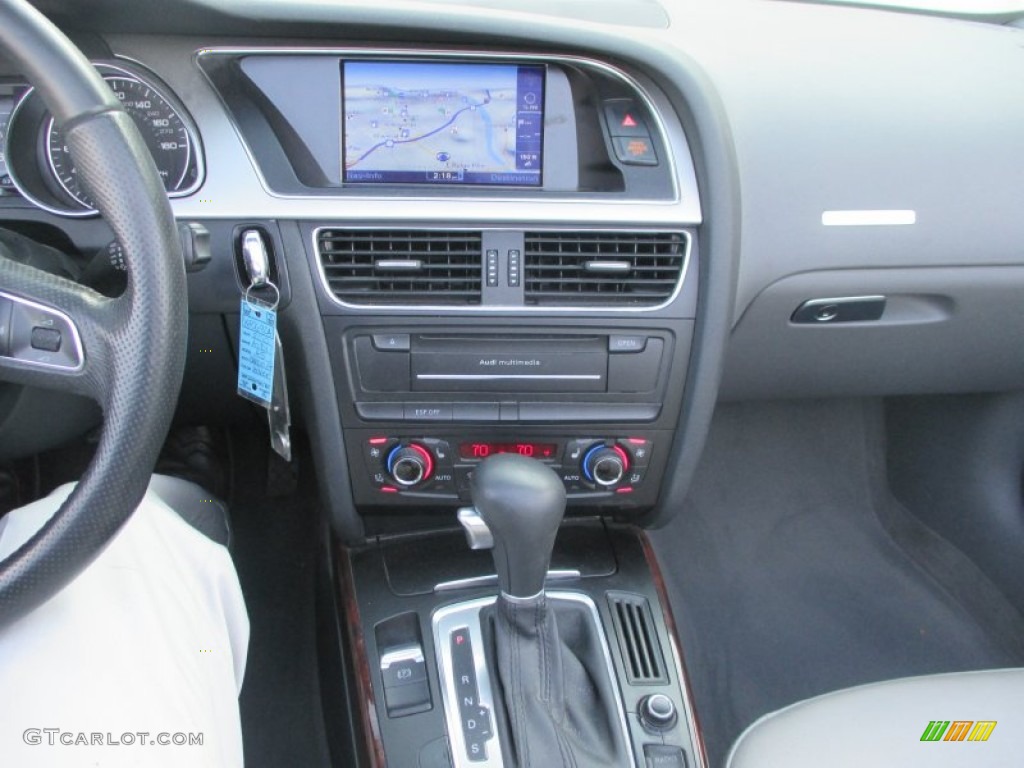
pixel 133 345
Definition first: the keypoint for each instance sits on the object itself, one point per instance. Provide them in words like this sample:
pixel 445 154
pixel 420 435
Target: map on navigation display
pixel 441 123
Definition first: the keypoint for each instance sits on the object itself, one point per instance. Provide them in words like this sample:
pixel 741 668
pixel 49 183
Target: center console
pixel 424 608
pixel 505 262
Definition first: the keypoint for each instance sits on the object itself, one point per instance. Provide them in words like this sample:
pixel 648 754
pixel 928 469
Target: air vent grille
pixel 638 639
pixel 603 268
pixel 387 266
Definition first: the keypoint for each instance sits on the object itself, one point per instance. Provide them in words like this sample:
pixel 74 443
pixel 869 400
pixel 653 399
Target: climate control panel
pixel 440 467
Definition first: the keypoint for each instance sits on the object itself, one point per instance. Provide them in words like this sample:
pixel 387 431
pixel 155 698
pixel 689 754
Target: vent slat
pixel 638 638
pixel 554 268
pixel 450 270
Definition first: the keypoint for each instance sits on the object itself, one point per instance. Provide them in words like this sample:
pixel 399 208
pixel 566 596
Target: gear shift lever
pixel 559 705
pixel 522 501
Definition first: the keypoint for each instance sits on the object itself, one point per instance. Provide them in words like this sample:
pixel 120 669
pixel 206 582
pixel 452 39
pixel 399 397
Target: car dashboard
pixel 563 230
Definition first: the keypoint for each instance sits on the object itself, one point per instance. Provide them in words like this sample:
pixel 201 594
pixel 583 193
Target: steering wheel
pixel 128 352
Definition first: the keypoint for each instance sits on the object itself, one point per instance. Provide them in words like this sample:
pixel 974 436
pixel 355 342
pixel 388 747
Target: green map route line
pixel 392 142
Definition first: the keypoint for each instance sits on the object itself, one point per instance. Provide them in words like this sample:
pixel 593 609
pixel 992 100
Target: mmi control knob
pixel 410 464
pixel 605 465
pixel 657 712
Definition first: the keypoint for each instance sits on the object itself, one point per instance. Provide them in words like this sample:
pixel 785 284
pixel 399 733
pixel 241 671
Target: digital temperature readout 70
pixel 483 450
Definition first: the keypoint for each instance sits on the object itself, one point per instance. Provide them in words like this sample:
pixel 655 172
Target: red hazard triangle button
pixel 625 118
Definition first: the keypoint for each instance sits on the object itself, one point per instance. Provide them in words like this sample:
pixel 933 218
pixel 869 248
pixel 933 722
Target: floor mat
pixel 275 546
pixel 786 583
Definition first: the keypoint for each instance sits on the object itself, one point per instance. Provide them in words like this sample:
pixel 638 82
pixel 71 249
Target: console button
pixel 550 412
pixel 403 666
pixel 634 150
pixel 440 449
pixel 402 700
pixel 618 343
pixel 375 452
pixel 574 450
pixel 462 478
pixel 638 449
pixel 664 756
pixel 624 118
pixel 428 411
pixel 380 411
pixel 391 342
pixel 404 674
pixel 476 412
pixel 443 482
pixel 572 480
pixel 657 712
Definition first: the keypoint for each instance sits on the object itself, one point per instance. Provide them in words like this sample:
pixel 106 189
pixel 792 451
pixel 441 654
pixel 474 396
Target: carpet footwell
pixel 793 572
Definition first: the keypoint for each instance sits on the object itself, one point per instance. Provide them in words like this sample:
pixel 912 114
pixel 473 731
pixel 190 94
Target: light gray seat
pixel 885 724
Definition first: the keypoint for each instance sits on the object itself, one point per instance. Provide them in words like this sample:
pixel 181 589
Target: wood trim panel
pixel 670 625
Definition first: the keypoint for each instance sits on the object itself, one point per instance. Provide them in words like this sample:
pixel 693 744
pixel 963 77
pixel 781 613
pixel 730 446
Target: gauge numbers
pixel 162 129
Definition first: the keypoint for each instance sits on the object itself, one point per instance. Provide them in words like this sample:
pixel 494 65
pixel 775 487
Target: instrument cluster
pixel 38 165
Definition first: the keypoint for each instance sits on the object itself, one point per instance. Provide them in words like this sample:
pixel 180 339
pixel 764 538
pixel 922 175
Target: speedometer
pixel 162 128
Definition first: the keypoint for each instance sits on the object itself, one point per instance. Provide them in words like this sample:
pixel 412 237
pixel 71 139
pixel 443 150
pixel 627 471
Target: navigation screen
pixel 437 123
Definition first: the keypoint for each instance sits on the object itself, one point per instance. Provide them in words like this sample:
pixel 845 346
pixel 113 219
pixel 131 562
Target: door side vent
pixel 405 267
pixel 638 638
pixel 603 268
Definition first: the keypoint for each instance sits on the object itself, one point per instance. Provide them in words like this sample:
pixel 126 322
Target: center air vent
pixel 603 268
pixel 388 266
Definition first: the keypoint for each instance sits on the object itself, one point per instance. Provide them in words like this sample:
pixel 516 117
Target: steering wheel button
pixel 40 336
pixel 46 339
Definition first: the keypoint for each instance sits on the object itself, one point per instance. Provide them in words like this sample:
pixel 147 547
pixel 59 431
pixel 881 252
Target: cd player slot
pixel 506 367
pixel 490 364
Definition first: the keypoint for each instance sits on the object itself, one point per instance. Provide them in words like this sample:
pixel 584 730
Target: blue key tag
pixel 256 349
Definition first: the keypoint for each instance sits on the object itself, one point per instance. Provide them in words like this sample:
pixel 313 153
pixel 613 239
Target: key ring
pixel 277 295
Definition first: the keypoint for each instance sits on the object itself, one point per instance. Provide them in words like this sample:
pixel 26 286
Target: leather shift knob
pixel 522 501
